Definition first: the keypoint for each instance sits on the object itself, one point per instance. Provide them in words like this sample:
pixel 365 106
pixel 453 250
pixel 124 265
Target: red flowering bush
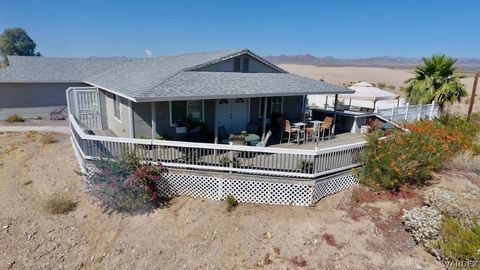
pixel 125 184
pixel 407 157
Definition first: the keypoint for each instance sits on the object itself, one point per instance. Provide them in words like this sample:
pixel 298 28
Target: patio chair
pixel 326 125
pixel 287 128
pixel 313 132
pixel 265 141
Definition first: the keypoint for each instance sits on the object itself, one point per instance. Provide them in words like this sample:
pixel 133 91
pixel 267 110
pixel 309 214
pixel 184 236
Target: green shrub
pixel 459 242
pixel 469 128
pixel 126 184
pixel 244 133
pixel 406 157
pixel 231 202
pixel 14 118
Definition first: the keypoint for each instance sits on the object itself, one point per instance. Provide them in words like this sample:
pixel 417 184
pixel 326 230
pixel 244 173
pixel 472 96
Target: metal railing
pixel 221 157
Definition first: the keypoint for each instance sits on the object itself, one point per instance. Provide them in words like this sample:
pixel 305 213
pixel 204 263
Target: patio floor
pixel 340 139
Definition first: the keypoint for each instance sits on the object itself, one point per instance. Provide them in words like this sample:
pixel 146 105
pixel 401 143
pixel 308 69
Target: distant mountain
pixel 470 64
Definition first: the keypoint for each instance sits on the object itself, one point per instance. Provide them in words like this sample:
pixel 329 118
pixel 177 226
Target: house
pixel 189 97
pixel 35 86
pixel 178 109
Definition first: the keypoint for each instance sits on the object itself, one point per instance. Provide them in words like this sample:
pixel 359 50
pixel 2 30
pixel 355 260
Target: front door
pixel 232 114
pixel 88 108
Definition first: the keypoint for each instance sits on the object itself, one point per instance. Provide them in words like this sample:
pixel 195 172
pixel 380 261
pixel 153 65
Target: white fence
pixel 410 113
pixel 220 157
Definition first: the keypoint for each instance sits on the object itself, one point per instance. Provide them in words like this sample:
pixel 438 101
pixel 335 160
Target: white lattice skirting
pixel 251 189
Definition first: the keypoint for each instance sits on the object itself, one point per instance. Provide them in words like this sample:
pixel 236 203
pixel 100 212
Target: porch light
pixel 223 101
pixel 239 100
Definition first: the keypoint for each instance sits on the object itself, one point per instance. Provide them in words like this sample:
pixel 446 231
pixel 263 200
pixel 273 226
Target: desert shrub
pixel 407 157
pixel 459 242
pixel 125 184
pixel 231 202
pixel 468 128
pixel 14 118
pixel 47 139
pixel 59 204
pixel 464 205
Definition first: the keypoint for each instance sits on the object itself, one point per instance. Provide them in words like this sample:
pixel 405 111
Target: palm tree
pixel 435 80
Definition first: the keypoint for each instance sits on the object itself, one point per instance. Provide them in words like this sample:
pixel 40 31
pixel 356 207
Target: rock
pixel 424 223
pixel 418 266
pixel 269 235
pixel 10 264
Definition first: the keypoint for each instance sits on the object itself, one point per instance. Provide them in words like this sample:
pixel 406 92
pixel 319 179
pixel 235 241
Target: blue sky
pixel 340 28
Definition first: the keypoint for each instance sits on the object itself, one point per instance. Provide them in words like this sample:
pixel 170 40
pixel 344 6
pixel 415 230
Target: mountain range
pixel 468 64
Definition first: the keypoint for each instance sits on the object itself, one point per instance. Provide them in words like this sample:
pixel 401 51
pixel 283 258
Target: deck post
pixel 431 110
pixel 332 131
pixel 304 107
pixel 264 124
pixel 419 116
pixel 406 112
pixel 392 114
pixel 154 120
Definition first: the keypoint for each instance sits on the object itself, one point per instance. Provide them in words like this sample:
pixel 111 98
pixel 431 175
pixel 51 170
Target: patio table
pixel 300 129
pixel 317 132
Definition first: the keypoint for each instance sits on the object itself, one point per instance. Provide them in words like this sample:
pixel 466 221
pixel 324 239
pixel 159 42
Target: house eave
pixel 176 98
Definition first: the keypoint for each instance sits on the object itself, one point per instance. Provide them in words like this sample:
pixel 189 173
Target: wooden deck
pixel 338 140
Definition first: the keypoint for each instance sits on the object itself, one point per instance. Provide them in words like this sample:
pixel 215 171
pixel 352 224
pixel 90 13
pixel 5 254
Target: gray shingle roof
pixel 137 78
pixel 166 77
pixel 208 85
pixel 52 69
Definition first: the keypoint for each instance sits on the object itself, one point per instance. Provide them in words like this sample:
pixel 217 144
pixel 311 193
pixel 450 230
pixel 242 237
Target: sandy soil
pixel 338 233
pixel 397 77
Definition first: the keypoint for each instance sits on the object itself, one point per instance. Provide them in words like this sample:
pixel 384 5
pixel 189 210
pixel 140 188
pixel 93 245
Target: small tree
pixel 15 41
pixel 435 80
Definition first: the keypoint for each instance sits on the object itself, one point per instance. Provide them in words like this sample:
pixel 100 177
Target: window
pixel 183 111
pixel 275 106
pixel 245 64
pixel 116 107
pixel 236 64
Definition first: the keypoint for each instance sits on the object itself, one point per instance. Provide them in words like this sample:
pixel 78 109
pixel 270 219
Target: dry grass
pixel 48 138
pixel 59 204
pixel 468 161
pixel 14 118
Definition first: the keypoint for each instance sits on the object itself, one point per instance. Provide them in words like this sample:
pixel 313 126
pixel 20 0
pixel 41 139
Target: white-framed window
pixel 276 106
pixel 186 110
pixel 116 107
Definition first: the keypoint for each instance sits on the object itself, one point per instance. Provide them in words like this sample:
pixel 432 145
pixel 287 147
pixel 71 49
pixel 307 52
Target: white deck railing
pixel 221 157
pixel 410 113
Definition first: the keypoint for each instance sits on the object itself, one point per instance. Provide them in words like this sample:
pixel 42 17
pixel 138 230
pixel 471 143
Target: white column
pixel 392 114
pixel 154 120
pixel 334 125
pixel 216 125
pixel 264 125
pixel 130 119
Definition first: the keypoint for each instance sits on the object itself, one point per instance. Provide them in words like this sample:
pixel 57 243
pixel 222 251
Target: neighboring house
pixel 35 86
pixel 192 96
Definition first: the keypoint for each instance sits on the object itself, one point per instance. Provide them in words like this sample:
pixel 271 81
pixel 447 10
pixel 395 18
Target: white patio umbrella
pixel 366 91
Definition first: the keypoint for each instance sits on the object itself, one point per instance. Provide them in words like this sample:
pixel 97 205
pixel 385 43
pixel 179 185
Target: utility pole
pixel 472 98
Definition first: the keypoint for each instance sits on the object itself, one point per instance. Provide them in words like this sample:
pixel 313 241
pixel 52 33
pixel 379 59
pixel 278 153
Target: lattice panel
pixel 216 188
pixel 268 192
pixel 192 185
pixel 333 184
